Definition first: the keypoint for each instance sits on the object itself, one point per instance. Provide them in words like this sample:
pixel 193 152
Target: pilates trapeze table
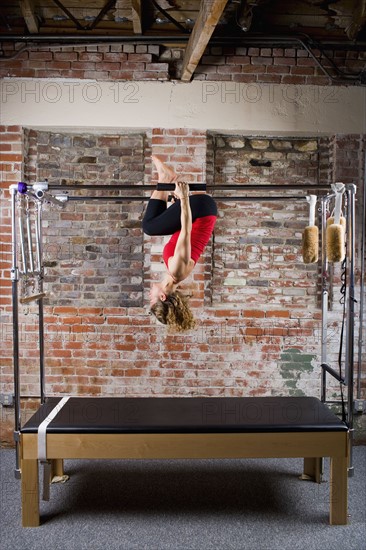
pixel 184 428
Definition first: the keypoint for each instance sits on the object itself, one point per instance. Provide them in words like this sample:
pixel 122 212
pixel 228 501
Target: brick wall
pixel 257 338
pixel 102 62
pixel 100 242
pixel 258 318
pixel 257 245
pixel 127 62
pixel 275 65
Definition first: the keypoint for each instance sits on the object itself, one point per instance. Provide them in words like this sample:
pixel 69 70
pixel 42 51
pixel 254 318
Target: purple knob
pixel 22 187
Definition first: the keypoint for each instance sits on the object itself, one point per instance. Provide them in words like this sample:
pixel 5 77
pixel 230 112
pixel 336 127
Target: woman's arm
pixel 181 261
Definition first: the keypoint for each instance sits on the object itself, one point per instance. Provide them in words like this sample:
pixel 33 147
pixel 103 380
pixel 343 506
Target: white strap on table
pixel 42 440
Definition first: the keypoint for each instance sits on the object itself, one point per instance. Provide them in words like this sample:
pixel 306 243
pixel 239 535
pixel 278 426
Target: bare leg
pixel 165 175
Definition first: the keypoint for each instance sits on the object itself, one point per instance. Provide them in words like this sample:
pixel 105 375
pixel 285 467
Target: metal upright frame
pixel 362 286
pixel 346 379
pixel 14 274
pixel 42 192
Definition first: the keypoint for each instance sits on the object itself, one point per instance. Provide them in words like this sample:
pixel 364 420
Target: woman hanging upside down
pixel 190 221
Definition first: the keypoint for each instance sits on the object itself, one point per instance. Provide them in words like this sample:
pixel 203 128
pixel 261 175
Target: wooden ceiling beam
pixel 208 17
pixel 30 18
pixel 136 16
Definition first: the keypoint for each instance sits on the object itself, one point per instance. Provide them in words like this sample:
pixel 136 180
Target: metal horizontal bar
pixel 107 199
pixel 217 197
pixel 171 186
pixel 333 373
pixel 259 198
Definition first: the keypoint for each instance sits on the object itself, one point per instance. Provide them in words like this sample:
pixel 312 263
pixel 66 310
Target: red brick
pixel 87 57
pixel 71 320
pixel 302 70
pixel 91 311
pixel 278 313
pixel 108 66
pixel 289 79
pixel 238 60
pixel 72 73
pixel 118 320
pixel 278 69
pixel 36 64
pixel 270 78
pixel 40 56
pixel 242 78
pixel 138 57
pixel 121 75
pixel 96 75
pixel 116 57
pixel 318 80
pixel 61 353
pixel 253 69
pixel 60 310
pixel 58 65
pixel 83 65
pixel 12 157
pixel 261 60
pixel 305 62
pixel 253 313
pixel 160 67
pixel 284 61
pixel 228 69
pixel 11 128
pixel 65 56
pixel 8 136
pixel 253 51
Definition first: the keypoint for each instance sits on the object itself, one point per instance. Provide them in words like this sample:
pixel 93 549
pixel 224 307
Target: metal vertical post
pixel 14 283
pixel 324 296
pixel 350 319
pixel 40 301
pixel 22 243
pixel 29 236
pixel 362 285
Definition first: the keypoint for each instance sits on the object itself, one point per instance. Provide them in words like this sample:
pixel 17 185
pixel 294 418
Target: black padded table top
pixel 186 415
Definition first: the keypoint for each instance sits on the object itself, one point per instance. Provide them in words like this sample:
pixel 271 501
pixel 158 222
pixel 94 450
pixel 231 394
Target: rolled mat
pixel 310 244
pixel 335 240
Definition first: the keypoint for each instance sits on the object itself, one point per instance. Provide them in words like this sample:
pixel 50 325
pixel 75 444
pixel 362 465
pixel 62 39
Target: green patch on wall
pixel 294 363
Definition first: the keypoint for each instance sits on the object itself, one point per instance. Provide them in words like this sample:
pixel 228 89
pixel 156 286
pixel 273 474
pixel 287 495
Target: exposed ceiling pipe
pixel 138 38
pixel 161 39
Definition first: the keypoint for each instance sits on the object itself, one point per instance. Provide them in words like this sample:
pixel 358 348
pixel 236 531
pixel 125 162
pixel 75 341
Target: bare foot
pixel 165 173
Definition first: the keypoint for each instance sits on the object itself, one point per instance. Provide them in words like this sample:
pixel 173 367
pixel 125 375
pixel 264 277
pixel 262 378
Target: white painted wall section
pixel 260 109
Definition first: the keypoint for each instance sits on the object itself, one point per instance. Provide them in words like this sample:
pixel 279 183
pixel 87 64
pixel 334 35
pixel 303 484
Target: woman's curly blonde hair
pixel 174 312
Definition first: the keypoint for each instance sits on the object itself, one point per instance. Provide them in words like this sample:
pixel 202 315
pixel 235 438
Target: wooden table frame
pixel 312 446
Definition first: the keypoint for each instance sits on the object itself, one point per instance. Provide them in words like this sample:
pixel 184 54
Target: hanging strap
pixel 338 189
pixel 311 199
pixel 42 429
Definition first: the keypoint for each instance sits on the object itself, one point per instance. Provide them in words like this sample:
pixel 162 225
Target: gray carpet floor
pixel 185 505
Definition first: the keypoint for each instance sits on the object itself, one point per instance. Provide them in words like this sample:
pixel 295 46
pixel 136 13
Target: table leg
pixel 30 493
pixel 57 467
pixel 313 468
pixel 338 490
